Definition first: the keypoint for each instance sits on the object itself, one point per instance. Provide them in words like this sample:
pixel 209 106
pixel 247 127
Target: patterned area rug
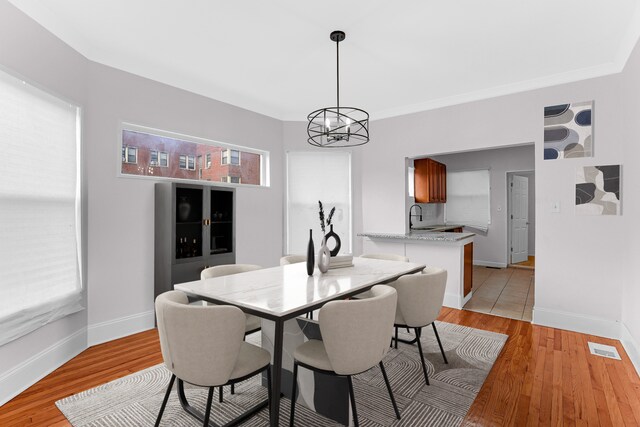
pixel 134 400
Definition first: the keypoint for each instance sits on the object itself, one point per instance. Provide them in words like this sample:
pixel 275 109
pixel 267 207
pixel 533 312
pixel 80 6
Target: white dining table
pixel 282 293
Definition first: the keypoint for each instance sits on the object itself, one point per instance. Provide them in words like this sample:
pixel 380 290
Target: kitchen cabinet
pixel 467 269
pixel 194 229
pixel 430 181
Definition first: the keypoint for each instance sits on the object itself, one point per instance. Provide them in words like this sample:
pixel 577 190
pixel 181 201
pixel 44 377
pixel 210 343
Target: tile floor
pixel 506 292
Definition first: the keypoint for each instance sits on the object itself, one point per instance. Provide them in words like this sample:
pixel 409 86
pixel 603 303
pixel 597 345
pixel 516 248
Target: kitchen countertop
pixel 422 235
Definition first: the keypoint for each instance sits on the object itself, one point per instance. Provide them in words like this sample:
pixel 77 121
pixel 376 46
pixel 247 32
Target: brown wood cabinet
pixel 430 181
pixel 468 268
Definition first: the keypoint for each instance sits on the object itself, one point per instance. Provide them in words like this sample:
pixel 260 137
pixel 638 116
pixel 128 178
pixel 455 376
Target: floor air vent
pixel 604 350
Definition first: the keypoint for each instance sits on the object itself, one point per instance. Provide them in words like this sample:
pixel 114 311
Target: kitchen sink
pixel 426 228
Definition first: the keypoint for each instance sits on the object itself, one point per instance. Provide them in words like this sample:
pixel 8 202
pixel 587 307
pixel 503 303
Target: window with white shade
pixel 40 208
pixel 313 176
pixel 468 199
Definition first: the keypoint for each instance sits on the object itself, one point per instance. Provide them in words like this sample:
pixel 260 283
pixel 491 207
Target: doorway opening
pixel 521 219
pixel 509 292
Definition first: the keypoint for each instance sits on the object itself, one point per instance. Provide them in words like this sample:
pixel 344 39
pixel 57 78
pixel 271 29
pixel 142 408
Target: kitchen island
pixel 452 251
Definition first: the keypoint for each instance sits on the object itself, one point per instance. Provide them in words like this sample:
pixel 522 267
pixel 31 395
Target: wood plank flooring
pixel 544 376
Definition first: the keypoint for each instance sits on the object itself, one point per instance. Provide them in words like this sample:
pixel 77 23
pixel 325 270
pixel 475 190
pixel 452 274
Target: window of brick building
pixel 164 160
pixel 230 157
pixel 129 155
pixel 231 179
pixel 158 158
pixel 187 162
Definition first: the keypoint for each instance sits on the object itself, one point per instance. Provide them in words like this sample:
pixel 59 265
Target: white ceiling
pixel 275 57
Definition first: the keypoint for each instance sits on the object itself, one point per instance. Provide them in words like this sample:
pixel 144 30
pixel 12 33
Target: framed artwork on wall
pixel 598 190
pixel 568 131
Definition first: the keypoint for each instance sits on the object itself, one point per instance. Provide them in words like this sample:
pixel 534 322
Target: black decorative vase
pixel 184 208
pixel 311 260
pixel 330 234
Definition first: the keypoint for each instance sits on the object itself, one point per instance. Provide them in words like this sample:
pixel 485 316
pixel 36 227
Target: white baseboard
pixel 40 365
pixel 630 346
pixel 576 322
pixel 490 264
pixel 121 327
pixel 452 300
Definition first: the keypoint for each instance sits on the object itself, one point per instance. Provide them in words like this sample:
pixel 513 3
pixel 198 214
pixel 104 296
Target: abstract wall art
pixel 598 190
pixel 568 131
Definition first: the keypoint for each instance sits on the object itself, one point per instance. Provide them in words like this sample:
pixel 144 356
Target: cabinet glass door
pixel 221 228
pixel 189 216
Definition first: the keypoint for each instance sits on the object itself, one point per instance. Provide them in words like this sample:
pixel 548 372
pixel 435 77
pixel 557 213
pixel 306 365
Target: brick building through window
pixel 160 156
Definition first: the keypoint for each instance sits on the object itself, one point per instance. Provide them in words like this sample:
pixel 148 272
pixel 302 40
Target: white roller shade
pixel 313 176
pixel 39 208
pixel 468 200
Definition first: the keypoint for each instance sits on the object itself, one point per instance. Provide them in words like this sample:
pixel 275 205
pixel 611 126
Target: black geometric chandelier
pixel 338 127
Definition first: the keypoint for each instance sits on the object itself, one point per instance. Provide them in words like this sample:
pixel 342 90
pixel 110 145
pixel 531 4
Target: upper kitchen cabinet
pixel 430 181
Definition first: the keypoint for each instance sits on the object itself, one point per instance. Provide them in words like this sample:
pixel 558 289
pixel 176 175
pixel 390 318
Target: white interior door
pixel 519 218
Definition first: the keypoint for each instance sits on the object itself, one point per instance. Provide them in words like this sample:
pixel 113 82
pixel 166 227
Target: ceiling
pixel 275 57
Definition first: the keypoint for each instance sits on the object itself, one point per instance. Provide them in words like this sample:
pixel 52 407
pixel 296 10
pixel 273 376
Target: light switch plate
pixel 555 207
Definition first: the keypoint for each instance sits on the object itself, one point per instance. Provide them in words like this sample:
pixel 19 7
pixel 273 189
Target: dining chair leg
pixel 233 389
pixel 424 367
pixel 352 397
pixel 293 393
pixel 386 380
pixel 166 399
pixel 207 412
pixel 221 395
pixel 444 356
pixel 396 337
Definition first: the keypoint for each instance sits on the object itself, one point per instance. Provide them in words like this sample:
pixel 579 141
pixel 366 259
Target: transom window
pixel 158 154
pixel 230 157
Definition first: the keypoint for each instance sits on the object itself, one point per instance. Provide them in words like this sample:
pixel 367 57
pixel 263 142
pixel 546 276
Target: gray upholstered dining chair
pixel 292 259
pixel 354 339
pixel 203 346
pixel 388 257
pixel 253 322
pixel 420 298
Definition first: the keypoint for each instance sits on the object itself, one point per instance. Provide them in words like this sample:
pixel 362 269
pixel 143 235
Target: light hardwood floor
pixel 543 376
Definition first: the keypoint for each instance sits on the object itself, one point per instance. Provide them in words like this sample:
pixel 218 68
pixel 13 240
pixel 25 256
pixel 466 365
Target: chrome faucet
pixel 410 215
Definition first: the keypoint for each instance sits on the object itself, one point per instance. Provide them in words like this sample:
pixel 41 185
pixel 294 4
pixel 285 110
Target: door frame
pixel 508 175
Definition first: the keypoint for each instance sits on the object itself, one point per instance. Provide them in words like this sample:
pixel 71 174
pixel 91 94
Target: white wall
pixel 580 262
pixel 490 248
pixel 629 111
